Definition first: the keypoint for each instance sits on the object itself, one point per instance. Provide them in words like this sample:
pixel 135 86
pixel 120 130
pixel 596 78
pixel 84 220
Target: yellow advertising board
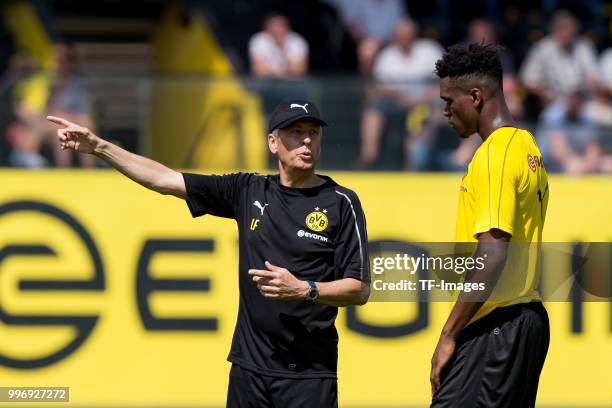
pixel 117 293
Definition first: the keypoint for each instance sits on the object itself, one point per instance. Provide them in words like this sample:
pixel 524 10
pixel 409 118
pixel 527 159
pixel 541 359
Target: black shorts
pixel 249 389
pixel 497 360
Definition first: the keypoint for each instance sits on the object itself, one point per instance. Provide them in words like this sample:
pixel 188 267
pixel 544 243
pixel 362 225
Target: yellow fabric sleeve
pixel 498 172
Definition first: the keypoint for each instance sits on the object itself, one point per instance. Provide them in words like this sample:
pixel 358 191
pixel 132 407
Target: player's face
pixel 298 145
pixel 459 111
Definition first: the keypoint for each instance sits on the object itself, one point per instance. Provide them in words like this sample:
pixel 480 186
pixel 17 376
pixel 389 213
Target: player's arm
pixel 343 292
pixel 498 176
pixel 493 250
pixel 280 284
pixel 149 173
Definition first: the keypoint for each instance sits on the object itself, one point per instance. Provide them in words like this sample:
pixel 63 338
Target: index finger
pixel 59 121
pixel 261 273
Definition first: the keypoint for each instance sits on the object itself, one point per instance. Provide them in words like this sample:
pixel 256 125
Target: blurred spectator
pixel 29 90
pixel 459 158
pixel 69 99
pixel 567 138
pixel 606 158
pixel 482 30
pixel 25 142
pixel 278 52
pixel 600 110
pixel 370 23
pixel 56 91
pixel 279 62
pixel 403 72
pixel 560 63
pixel 605 64
pixel 522 27
pixel 449 152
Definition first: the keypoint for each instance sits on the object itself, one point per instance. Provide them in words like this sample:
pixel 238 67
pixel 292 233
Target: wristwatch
pixel 313 292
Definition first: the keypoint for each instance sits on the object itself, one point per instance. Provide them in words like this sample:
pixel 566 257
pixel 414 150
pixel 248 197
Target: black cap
pixel 288 112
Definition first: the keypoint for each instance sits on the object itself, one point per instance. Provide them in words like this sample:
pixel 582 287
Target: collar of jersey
pixel 497 131
pixel 308 191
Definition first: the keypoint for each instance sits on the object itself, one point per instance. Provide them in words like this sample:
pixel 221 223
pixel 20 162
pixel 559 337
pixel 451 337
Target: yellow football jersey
pixel 506 187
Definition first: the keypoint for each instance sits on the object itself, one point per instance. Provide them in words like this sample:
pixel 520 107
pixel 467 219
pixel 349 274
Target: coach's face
pixel 462 105
pixel 298 145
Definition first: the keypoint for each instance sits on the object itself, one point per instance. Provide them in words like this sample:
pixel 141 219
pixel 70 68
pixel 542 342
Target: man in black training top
pixel 303 253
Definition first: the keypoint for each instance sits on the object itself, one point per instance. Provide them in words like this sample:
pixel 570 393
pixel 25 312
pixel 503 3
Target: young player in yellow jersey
pixel 492 349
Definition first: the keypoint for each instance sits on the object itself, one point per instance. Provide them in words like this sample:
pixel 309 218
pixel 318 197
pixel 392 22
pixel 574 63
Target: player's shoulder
pixel 519 141
pixel 516 149
pixel 508 139
pixel 256 178
pixel 246 178
pixel 502 148
pixel 503 134
pixel 527 139
pixel 345 195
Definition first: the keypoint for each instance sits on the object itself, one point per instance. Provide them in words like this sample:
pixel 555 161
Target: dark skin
pixel 473 105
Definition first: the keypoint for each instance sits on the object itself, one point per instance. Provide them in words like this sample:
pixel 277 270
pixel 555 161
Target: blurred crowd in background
pixel 368 63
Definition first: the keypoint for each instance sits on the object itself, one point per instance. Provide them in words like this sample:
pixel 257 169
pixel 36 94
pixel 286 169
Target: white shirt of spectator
pixel 561 71
pixel 606 67
pixel 412 71
pixel 262 46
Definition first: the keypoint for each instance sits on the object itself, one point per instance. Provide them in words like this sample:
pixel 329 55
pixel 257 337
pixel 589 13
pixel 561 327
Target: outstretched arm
pixel 149 173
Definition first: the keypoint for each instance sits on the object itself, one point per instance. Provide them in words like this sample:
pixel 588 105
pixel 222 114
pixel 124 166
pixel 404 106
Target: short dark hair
pixel 471 60
pixel 274 14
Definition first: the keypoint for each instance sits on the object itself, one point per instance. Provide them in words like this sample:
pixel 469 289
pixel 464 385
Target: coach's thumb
pixel 271 267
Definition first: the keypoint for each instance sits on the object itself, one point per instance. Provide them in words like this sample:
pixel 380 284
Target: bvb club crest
pixel 317 220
